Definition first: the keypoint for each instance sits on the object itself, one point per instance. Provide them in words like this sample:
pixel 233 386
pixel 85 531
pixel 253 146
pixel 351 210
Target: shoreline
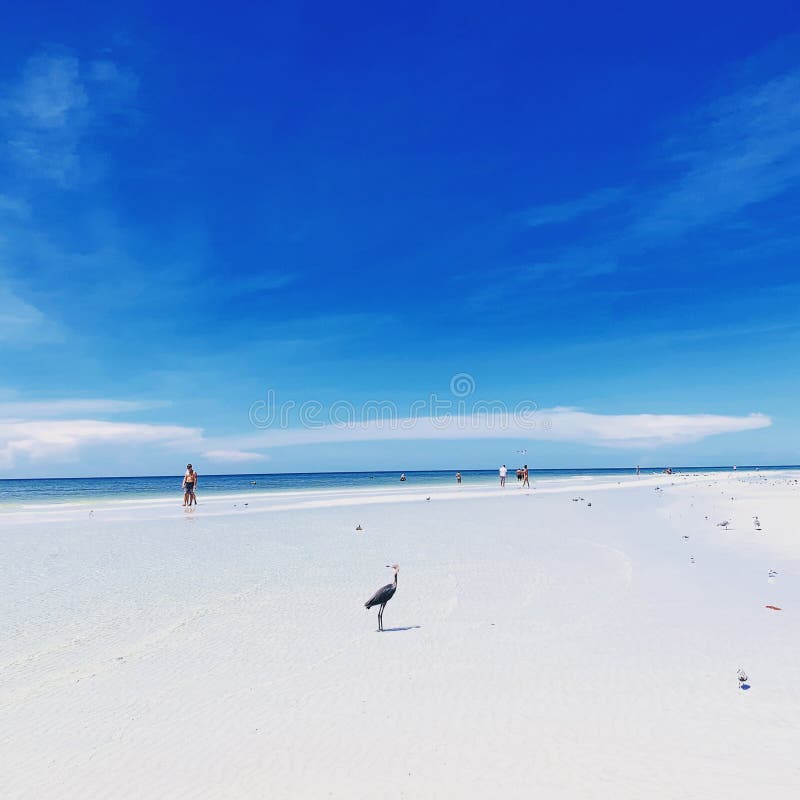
pixel 277 500
pixel 542 478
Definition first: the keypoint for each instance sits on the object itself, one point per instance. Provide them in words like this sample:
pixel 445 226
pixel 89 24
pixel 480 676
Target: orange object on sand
pixel 774 608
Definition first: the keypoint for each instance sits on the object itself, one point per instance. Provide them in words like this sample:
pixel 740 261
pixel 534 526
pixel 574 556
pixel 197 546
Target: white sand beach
pixel 537 645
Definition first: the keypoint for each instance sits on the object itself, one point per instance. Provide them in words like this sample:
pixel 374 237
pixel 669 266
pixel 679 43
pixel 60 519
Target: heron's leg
pixel 380 619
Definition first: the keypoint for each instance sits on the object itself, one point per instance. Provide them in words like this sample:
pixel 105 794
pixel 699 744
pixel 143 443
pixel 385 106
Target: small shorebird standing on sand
pixel 383 595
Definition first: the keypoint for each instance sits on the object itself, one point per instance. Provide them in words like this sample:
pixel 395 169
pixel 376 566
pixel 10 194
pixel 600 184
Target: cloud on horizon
pixel 48 440
pixel 556 425
pixel 32 440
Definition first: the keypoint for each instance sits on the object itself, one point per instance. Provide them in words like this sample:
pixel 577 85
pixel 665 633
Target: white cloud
pixel 635 430
pixel 233 456
pixel 60 440
pixel 32 440
pixel 557 424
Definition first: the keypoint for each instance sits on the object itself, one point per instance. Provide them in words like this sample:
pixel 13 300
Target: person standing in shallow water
pixel 194 487
pixel 458 478
pixel 525 480
pixel 189 483
pixel 503 473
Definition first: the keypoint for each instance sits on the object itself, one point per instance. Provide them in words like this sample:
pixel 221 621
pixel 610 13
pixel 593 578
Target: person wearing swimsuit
pixel 189 481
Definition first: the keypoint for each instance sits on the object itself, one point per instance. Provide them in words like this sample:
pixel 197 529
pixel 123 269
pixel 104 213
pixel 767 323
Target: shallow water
pixel 33 491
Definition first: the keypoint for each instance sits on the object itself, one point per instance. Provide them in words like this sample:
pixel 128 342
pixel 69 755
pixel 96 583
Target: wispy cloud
pixel 56 102
pixel 736 151
pixel 45 431
pixel 555 425
pixel 71 407
pixel 233 456
pixel 22 323
pixel 741 150
pixel 555 213
pixel 49 116
pixel 13 207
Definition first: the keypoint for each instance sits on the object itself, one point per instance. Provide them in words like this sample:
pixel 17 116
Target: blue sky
pixel 595 213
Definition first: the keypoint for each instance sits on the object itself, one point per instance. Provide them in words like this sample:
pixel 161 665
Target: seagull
pixel 742 675
pixel 359 528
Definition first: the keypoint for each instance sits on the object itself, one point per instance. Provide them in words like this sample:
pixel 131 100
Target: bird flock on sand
pixel 727 525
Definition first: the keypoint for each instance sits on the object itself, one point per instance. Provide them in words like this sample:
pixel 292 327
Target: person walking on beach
pixel 458 478
pixel 189 483
pixel 525 481
pixel 503 473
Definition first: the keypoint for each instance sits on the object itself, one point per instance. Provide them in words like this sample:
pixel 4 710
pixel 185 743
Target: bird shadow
pixel 395 630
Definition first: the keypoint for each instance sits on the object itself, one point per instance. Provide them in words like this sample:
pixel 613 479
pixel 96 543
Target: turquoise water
pixel 14 492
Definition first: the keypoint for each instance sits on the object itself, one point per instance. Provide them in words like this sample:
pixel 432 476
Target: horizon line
pixel 744 467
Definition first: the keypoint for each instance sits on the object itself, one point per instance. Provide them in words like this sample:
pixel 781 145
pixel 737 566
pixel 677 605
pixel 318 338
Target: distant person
pixel 458 478
pixel 638 469
pixel 188 486
pixel 525 480
pixel 402 476
pixel 503 473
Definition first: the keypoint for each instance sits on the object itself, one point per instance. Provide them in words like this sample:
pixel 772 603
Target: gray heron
pixel 383 595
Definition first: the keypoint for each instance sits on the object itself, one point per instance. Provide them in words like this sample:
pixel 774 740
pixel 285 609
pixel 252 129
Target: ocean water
pixel 32 491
